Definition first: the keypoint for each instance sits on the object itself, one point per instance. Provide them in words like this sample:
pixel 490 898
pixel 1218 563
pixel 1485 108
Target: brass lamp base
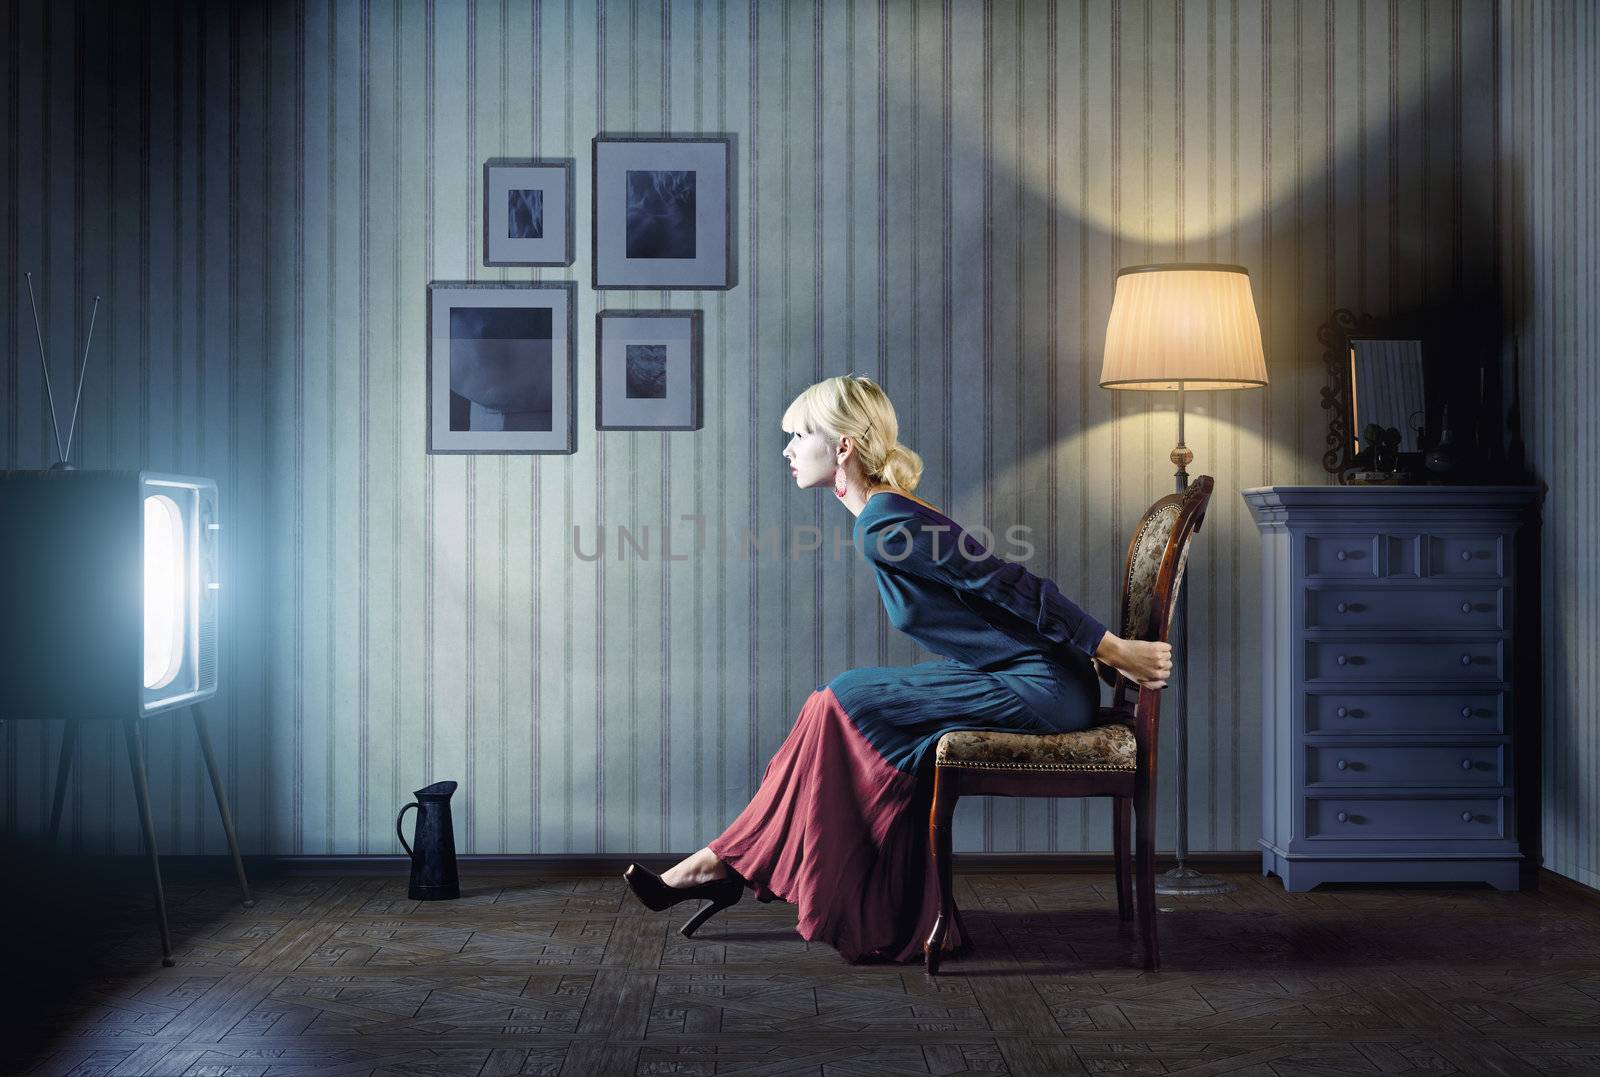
pixel 1187 882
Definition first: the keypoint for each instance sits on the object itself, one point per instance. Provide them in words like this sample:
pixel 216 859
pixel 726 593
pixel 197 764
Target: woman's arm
pixel 903 541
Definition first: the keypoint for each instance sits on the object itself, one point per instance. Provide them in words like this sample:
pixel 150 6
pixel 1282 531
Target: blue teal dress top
pixel 985 615
pixel 839 823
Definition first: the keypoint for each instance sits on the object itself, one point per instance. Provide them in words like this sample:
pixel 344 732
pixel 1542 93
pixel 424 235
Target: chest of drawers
pixel 1390 639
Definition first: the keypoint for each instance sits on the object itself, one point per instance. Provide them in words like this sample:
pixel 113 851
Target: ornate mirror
pixel 1386 390
pixel 1376 376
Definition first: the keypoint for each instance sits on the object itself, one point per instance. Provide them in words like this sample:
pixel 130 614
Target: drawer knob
pixel 1466 712
pixel 1343 817
pixel 1342 765
pixel 1343 660
pixel 1340 556
pixel 1466 555
pixel 1466 607
pixel 1466 817
pixel 1342 712
pixel 1466 764
pixel 1341 607
pixel 1466 660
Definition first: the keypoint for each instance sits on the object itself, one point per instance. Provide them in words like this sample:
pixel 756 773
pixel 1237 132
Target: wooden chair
pixel 1115 757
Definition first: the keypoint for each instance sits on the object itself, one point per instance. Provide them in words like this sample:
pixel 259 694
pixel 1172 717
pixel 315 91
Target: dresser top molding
pixel 1273 504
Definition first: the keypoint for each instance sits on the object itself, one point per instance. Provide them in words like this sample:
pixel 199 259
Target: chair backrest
pixel 1153 575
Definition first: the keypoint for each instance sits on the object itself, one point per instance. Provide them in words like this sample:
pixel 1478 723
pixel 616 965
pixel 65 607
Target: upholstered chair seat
pixel 1111 746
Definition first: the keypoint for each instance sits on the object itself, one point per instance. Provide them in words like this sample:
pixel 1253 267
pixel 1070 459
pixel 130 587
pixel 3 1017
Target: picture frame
pixel 648 369
pixel 502 367
pixel 529 216
pixel 663 212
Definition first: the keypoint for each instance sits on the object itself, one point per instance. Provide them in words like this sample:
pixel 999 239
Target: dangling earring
pixel 840 487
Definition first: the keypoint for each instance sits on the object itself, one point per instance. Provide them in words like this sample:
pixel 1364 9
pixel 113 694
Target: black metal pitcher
pixel 433 861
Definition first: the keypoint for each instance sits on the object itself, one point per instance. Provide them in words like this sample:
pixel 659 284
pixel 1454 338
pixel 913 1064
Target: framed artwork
pixel 528 212
pixel 647 370
pixel 663 212
pixel 501 367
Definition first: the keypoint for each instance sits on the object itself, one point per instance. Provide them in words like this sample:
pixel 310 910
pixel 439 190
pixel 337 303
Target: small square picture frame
pixel 533 195
pixel 495 345
pixel 648 369
pixel 663 212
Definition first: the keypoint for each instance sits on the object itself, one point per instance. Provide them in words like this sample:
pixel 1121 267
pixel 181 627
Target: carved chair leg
pixel 961 926
pixel 939 816
pixel 1121 813
pixel 1145 869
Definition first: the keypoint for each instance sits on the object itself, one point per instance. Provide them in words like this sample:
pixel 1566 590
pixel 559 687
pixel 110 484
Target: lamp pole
pixel 1173 323
pixel 1182 881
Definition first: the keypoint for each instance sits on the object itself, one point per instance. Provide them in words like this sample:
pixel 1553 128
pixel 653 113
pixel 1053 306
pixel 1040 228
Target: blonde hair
pixel 853 405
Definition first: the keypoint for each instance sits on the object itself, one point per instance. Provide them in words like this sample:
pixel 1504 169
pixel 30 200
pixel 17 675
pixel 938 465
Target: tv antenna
pixel 62 464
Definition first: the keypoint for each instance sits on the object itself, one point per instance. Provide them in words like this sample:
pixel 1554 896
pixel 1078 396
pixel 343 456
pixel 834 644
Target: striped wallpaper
pixel 1550 188
pixel 938 194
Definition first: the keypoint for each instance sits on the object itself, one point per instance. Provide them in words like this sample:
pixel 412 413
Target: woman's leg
pixel 824 830
pixel 696 868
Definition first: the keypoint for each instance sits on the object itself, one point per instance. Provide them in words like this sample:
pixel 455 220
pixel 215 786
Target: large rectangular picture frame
pixel 506 442
pixel 568 168
pixel 696 320
pixel 601 261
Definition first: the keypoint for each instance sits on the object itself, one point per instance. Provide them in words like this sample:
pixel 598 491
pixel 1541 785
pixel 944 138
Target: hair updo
pixel 855 406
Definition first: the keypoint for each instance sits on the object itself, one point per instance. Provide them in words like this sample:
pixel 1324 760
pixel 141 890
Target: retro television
pixel 109 587
pixel 110 593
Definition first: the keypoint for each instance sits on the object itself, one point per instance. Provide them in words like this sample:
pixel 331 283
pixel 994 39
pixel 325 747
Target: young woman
pixel 839 823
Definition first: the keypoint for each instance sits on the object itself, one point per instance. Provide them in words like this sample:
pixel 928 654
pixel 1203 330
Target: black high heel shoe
pixel 657 895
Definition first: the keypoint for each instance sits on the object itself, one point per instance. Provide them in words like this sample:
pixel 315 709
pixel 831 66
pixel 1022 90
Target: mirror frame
pixel 1335 335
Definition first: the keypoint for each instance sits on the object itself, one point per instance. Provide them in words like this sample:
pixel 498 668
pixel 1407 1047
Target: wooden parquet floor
pixel 571 976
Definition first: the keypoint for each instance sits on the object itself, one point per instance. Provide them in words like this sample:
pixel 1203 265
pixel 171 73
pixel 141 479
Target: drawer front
pixel 1352 660
pixel 1363 555
pixel 1446 712
pixel 1390 765
pixel 1405 819
pixel 1400 556
pixel 1379 607
pixel 1342 555
pixel 1466 555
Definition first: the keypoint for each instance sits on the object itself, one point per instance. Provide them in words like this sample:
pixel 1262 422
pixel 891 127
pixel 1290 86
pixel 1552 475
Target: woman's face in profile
pixel 811 459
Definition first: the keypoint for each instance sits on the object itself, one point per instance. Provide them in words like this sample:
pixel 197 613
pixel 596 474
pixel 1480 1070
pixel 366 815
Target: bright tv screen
pixel 113 579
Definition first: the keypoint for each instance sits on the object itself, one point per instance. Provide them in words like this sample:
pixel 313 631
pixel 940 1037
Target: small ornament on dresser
pixel 1442 457
pixel 1486 436
pixel 1516 451
pixel 1379 458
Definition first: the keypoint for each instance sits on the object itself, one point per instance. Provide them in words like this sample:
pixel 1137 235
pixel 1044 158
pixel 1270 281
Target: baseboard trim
pixel 569 865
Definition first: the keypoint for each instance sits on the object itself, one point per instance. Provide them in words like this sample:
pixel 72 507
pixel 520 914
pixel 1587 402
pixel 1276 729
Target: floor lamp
pixel 1183 327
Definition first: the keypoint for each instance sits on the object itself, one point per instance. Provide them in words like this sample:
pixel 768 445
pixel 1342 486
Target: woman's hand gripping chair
pixel 1116 757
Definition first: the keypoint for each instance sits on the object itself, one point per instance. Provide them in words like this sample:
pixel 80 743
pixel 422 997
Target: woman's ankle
pixel 711 865
pixel 695 869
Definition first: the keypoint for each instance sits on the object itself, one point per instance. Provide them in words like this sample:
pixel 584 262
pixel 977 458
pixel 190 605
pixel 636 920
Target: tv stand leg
pixel 134 735
pixel 222 803
pixel 69 741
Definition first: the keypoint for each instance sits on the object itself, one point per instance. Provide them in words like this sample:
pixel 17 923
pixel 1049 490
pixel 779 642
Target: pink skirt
pixel 841 832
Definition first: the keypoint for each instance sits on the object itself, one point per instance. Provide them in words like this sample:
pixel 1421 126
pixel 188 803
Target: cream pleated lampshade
pixel 1192 326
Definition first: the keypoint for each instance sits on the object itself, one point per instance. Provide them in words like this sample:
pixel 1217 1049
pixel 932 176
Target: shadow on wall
pixel 1465 315
pixel 1306 257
